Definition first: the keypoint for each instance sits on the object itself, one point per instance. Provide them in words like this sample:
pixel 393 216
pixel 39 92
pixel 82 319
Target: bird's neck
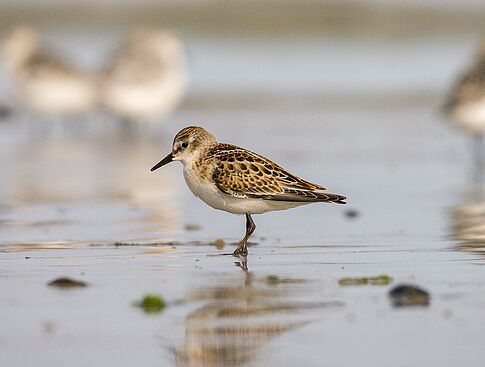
pixel 198 155
pixel 202 153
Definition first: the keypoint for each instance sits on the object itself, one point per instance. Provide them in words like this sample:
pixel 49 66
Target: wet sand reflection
pixel 58 182
pixel 236 322
pixel 469 222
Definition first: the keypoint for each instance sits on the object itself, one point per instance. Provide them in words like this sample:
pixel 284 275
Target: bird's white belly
pixel 208 192
pixel 471 116
pixel 149 100
pixel 54 95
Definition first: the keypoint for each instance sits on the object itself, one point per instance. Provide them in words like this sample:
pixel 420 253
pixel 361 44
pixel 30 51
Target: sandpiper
pixel 466 104
pixel 146 78
pixel 238 181
pixel 44 83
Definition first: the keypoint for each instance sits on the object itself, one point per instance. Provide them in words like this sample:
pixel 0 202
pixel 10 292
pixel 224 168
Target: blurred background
pixel 354 95
pixel 92 93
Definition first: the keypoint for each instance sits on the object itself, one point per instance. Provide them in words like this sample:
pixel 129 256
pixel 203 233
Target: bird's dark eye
pixel 185 145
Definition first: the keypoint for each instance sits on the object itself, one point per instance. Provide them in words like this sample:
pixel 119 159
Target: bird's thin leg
pixel 242 247
pixel 478 157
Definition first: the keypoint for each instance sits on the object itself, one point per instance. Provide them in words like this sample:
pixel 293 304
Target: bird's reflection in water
pixel 242 263
pixel 236 322
pixel 469 221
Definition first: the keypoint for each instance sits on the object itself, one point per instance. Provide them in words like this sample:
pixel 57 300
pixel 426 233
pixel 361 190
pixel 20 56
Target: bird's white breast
pixel 62 94
pixel 471 115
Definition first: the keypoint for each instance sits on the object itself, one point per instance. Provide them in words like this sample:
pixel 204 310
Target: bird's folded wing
pixel 244 174
pixel 306 196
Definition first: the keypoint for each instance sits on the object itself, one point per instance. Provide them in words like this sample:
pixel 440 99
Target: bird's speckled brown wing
pixel 244 174
pixel 44 63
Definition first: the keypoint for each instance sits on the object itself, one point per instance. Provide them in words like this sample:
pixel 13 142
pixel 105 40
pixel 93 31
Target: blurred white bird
pixel 43 83
pixel 466 104
pixel 146 78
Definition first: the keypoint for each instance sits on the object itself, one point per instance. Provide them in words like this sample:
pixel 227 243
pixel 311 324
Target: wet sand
pixel 84 205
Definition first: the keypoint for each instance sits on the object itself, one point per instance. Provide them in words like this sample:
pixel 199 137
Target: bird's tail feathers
pixel 331 198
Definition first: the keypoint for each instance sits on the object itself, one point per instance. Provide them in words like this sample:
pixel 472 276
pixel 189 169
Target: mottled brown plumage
pixel 244 174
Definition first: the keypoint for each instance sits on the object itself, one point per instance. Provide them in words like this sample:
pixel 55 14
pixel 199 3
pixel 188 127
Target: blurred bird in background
pixel 466 104
pixel 146 78
pixel 43 83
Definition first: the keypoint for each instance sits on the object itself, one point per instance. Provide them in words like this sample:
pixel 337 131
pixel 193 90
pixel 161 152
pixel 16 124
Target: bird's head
pixel 19 45
pixel 188 145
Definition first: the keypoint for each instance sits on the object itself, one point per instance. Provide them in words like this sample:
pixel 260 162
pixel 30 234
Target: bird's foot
pixel 241 249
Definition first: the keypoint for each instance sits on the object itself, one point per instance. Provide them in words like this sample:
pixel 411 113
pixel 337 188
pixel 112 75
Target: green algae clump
pixel 380 280
pixel 219 243
pixel 272 279
pixel 377 280
pixel 275 280
pixel 151 303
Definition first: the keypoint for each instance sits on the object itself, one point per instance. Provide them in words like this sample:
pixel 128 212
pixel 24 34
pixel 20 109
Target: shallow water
pixel 81 202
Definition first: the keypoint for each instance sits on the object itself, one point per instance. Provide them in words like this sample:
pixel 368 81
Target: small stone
pixel 65 282
pixel 192 227
pixel 405 295
pixel 5 112
pixel 352 213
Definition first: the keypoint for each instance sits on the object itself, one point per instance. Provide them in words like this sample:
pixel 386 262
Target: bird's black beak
pixel 163 162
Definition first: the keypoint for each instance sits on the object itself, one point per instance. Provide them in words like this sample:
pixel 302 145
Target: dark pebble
pixel 192 227
pixel 5 112
pixel 66 283
pixel 352 213
pixel 409 295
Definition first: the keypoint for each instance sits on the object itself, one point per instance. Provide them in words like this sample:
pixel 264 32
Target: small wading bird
pixel 44 83
pixel 466 104
pixel 146 79
pixel 238 181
